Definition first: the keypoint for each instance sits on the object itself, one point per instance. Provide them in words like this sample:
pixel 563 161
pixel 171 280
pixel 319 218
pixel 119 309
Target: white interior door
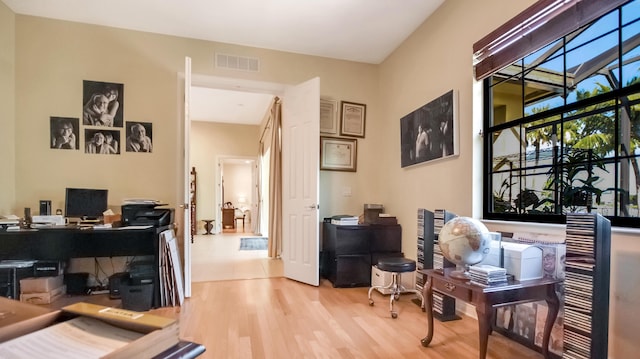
pixel 300 177
pixel 186 228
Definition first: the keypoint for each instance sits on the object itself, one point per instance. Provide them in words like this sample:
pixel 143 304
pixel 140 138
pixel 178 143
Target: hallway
pixel 217 257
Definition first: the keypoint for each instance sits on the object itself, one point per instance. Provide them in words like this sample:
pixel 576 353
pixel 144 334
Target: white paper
pixel 78 338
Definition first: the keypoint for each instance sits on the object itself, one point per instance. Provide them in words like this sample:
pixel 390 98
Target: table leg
pixel 554 305
pixel 485 313
pixel 427 296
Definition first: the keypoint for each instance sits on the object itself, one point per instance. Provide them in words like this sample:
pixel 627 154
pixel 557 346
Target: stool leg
pixel 394 294
pixel 378 287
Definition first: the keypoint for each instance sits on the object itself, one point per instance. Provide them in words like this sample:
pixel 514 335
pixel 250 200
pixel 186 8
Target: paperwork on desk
pixel 83 330
pixel 80 338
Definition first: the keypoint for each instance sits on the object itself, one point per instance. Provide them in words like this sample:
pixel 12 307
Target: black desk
pixel 76 242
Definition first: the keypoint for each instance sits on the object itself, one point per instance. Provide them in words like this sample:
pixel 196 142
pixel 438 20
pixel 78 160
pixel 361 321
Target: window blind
pixel 540 24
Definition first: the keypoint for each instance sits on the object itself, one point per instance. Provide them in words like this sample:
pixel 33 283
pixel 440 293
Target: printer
pixel 146 215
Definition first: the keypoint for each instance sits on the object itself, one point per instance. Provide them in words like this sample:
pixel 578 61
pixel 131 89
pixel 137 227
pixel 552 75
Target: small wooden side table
pixel 486 298
pixel 208 225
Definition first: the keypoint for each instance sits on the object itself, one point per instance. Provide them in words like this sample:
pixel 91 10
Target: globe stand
pixel 461 274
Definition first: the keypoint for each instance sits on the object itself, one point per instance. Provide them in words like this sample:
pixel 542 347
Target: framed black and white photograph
pixel 139 137
pixel 329 116
pixel 430 132
pixel 338 154
pixel 102 104
pixel 102 141
pixel 65 133
pixel 352 119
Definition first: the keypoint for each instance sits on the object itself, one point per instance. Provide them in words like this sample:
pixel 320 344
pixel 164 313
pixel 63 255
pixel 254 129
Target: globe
pixel 465 242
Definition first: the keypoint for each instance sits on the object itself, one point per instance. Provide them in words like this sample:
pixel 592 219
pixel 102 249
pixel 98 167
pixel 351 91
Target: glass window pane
pixel 630 12
pixel 606 207
pixel 507 147
pixel 554 49
pixel 592 128
pixel 535 198
pixel 628 190
pixel 596 29
pixel 507 95
pixel 579 180
pixel 541 136
pixel 589 66
pixel 544 86
pixel 631 54
pixel 505 187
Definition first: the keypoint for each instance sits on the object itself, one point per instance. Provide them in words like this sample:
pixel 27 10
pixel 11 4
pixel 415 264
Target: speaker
pixel 116 281
pixel 45 207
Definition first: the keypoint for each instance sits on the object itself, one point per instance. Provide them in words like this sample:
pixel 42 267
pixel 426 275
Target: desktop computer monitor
pixel 85 203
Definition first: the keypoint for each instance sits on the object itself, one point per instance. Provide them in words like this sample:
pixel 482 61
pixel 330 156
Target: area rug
pixel 253 244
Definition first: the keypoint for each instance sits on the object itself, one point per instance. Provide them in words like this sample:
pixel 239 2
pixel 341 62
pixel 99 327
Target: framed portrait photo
pixel 338 154
pixel 430 132
pixel 352 119
pixel 329 116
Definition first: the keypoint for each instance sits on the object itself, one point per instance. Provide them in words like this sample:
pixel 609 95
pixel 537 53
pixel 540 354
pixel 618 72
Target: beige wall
pixel 148 65
pixel 209 143
pixel 7 109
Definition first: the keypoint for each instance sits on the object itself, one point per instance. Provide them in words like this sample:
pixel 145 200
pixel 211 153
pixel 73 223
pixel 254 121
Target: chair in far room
pixel 395 266
pixel 239 215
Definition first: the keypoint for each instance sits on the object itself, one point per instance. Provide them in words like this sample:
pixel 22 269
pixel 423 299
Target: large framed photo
pixel 338 154
pixel 352 118
pixel 430 132
pixel 329 116
pixel 102 103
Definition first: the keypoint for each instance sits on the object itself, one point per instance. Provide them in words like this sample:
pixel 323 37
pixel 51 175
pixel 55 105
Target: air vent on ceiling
pixel 242 63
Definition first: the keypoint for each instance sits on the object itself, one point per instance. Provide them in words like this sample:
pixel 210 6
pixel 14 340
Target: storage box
pixel 379 277
pixel 44 297
pixel 40 284
pixel 524 261
pixel 160 333
pixel 136 296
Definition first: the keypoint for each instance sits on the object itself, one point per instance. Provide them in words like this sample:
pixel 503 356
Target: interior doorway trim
pixel 220 160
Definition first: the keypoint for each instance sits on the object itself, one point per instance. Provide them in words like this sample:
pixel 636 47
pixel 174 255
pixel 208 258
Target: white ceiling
pixel 357 30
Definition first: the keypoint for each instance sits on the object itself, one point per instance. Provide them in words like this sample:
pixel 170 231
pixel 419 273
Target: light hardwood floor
pixel 278 318
pixel 281 318
pixel 217 257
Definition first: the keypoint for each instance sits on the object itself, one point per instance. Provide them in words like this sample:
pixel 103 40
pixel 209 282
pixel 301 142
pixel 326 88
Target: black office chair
pixel 396 266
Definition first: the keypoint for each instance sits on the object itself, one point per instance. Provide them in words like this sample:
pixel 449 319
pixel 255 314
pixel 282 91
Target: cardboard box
pixel 44 297
pixel 382 278
pixel 112 218
pixel 160 333
pixel 41 284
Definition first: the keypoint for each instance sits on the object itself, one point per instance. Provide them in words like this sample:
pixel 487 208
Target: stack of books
pixel 343 220
pixel 487 275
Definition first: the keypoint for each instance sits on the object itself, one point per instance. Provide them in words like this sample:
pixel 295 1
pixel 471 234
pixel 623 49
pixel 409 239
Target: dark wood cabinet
pixel 349 251
pixel 228 219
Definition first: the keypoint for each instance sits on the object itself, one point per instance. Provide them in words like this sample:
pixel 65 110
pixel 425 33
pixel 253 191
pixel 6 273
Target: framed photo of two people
pixel 430 132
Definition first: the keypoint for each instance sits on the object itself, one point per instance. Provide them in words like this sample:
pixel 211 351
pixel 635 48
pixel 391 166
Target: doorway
pixel 298 243
pixel 233 178
pixel 238 199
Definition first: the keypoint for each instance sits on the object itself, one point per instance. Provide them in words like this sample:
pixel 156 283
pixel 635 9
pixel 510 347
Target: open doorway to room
pixel 229 175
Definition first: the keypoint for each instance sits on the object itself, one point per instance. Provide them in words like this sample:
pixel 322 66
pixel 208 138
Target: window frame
pixel 616 94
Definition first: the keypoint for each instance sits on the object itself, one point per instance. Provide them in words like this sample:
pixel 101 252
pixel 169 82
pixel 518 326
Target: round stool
pixel 396 266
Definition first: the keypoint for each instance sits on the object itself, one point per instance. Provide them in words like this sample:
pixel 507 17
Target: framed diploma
pixel 352 119
pixel 338 154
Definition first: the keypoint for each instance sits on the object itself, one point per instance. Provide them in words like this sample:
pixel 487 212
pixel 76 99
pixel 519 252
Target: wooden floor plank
pixel 281 318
